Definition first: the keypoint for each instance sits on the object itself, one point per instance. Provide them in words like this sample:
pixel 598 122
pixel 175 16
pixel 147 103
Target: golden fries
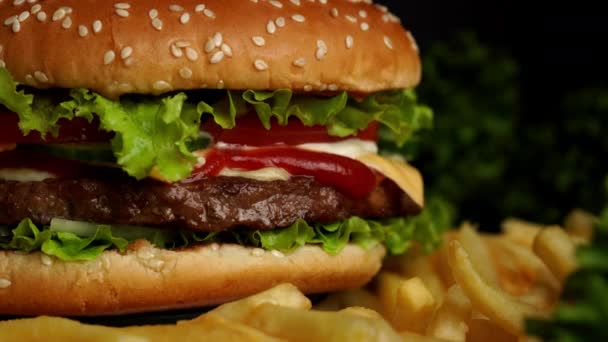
pixel 556 249
pixel 450 321
pixel 494 303
pixel 478 252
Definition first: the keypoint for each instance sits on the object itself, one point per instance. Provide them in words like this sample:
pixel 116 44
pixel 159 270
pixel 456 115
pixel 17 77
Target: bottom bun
pixel 146 278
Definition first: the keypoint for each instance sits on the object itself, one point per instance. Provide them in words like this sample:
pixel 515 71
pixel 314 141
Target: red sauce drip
pixel 349 176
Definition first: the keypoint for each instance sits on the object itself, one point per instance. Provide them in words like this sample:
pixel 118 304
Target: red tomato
pixel 250 131
pixel 347 175
pixel 74 130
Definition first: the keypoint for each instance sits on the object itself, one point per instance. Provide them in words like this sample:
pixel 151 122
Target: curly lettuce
pixel 75 240
pixel 155 132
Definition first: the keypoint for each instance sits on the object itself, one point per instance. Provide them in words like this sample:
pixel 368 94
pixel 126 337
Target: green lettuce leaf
pixel 86 241
pixel 156 131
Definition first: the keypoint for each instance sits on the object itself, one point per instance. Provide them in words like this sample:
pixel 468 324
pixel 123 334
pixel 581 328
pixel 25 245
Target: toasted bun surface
pixel 150 279
pixel 151 47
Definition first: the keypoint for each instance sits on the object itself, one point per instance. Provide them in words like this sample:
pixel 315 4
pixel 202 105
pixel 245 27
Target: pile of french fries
pixel 474 288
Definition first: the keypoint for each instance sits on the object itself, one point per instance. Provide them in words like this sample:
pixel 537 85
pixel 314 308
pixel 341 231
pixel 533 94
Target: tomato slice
pixel 250 131
pixel 75 130
pixel 347 175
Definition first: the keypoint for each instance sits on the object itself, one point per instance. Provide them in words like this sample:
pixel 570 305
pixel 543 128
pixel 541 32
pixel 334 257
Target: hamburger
pixel 172 154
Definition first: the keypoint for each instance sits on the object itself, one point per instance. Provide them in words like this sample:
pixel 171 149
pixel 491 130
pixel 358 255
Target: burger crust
pixel 118 48
pixel 146 278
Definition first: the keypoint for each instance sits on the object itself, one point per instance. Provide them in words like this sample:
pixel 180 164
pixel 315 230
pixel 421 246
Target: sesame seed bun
pixel 151 47
pixel 150 279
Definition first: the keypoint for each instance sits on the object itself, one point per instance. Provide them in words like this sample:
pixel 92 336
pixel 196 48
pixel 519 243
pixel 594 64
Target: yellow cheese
pixel 403 174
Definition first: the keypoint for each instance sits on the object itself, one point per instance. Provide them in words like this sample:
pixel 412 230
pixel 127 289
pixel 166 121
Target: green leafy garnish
pixel 157 131
pixel 74 240
pixel 582 313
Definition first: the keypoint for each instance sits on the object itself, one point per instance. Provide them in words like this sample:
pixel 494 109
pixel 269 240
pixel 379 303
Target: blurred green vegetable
pixel 492 152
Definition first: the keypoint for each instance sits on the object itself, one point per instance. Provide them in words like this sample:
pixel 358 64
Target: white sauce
pixel 24 175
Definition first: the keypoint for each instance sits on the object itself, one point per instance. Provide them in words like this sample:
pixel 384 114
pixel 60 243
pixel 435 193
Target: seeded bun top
pixel 155 46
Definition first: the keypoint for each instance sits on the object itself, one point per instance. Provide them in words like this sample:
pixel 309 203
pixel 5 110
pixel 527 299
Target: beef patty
pixel 210 204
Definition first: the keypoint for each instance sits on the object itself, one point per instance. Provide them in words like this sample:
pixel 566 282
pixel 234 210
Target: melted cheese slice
pixel 403 174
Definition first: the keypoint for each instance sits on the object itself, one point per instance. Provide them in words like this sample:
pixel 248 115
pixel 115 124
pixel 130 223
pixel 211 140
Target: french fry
pixel 477 250
pixel 555 248
pixel 498 306
pixel 300 325
pixel 361 311
pixel 450 320
pixel 284 295
pixel 340 300
pixel 388 284
pixel 483 330
pixel 579 224
pixel 415 306
pixel 422 267
pixel 520 231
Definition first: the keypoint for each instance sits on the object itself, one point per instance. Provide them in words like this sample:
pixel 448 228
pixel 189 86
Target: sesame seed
pixel 161 85
pixel 10 20
pixel 182 44
pixel 41 16
pixel 364 26
pixel 4 283
pixel 333 87
pixel 68 10
pixel 382 8
pixel 209 13
pixel 46 260
pixel 122 13
pixel 300 62
pixel 363 14
pixel 275 252
pixel 18 2
pixel 109 57
pixel 280 22
pixel 36 8
pixel 276 3
pixel 2 64
pixel 216 57
pixel 176 8
pixel 295 2
pixel 227 50
pixel 29 79
pixel 412 41
pixel 32 1
pixel 388 42
pixel 59 14
pixel 220 85
pixel 129 61
pixel 199 8
pixel 259 41
pixel 298 17
pixel 350 18
pixel 210 45
pixel 83 31
pixel 185 73
pixel 184 18
pixel 218 39
pixel 334 12
pixel 349 42
pixel 260 65
pixel 175 51
pixel 122 5
pixel 323 2
pixel 157 24
pixel 323 87
pixel 270 27
pixel 257 252
pixel 308 87
pixel 23 16
pixel 393 18
pixel 153 13
pixel 16 26
pixel 321 49
pixel 40 76
pixel 126 52
pixel 67 23
pixel 97 26
pixel 214 246
pixel 191 54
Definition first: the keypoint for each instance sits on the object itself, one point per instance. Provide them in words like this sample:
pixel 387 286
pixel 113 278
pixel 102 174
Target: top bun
pixel 155 46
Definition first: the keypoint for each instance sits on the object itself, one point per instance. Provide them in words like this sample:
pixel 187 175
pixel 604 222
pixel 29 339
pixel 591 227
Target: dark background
pixel 545 145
